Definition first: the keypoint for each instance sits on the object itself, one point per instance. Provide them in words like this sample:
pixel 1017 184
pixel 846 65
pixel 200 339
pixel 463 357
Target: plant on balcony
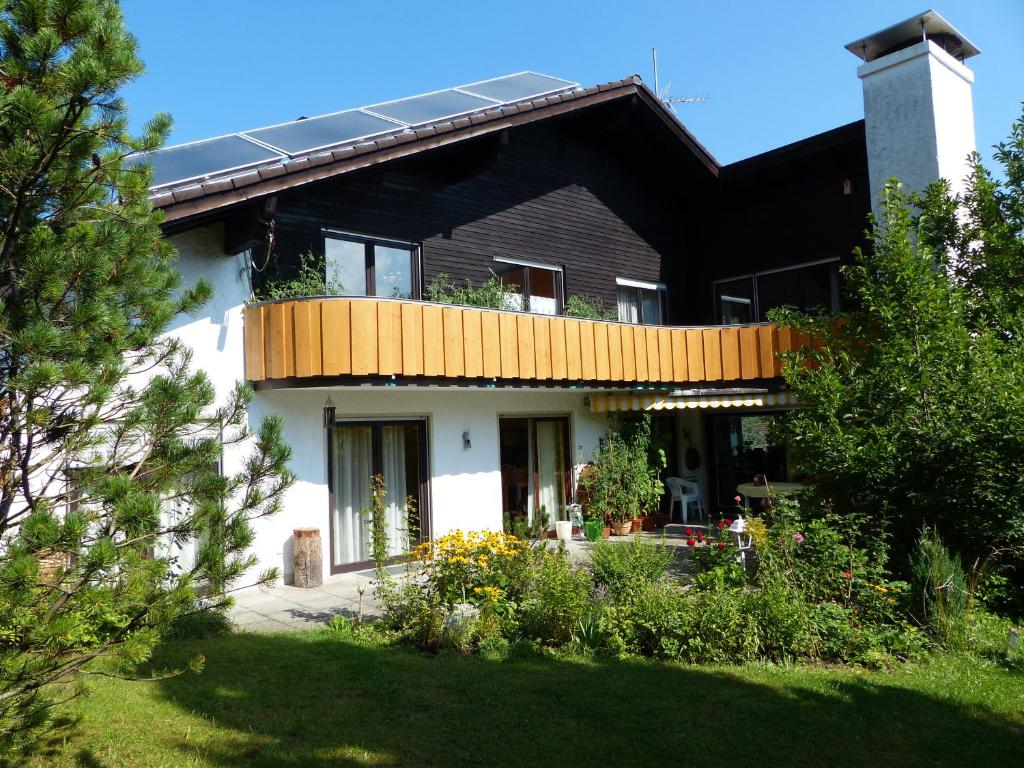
pixel 490 294
pixel 588 308
pixel 311 280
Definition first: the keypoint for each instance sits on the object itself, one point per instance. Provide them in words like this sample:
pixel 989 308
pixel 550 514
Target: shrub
pixel 617 566
pixel 589 308
pixel 621 483
pixel 463 567
pixel 559 597
pixel 648 619
pixel 311 280
pixel 491 294
pixel 939 590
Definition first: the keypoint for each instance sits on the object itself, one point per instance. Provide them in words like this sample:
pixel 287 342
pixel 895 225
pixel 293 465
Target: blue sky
pixel 774 72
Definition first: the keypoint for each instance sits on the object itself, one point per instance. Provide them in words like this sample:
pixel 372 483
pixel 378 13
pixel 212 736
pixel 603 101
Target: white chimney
pixel 918 110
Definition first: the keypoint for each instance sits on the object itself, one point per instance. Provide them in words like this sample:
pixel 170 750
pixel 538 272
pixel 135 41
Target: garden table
pixel 752 491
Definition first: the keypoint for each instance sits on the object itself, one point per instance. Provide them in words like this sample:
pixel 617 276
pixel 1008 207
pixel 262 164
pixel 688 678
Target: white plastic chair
pixel 685 492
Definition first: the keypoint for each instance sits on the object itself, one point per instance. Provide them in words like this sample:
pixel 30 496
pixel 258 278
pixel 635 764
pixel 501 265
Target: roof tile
pixel 245 179
pixel 272 172
pixel 187 193
pixel 297 164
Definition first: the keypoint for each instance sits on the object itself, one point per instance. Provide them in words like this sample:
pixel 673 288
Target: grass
pixel 313 699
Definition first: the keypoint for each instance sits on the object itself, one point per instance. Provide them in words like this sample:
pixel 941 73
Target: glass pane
pixel 735 301
pixel 629 305
pixel 202 158
pixel 352 460
pixel 651 300
pixel 551 470
pixel 323 131
pixel 401 470
pixel 393 271
pixel 514 280
pixel 805 288
pixel 432 106
pixel 517 87
pixel 514 440
pixel 346 267
pixel 542 291
pixel 745 447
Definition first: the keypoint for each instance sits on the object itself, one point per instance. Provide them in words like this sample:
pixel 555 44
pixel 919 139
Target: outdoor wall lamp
pixel 466 442
pixel 328 413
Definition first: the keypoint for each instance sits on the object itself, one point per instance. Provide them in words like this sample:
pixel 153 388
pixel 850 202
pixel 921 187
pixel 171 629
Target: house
pixel 479 415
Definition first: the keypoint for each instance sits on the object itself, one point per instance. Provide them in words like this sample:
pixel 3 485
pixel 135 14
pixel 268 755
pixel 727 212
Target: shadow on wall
pixel 311 700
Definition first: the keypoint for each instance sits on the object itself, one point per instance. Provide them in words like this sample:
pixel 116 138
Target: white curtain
pixel 395 516
pixel 629 311
pixel 353 467
pixel 550 452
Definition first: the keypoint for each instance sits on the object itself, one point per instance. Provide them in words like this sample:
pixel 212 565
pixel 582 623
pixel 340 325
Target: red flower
pixel 691 543
pixel 727 521
pixel 700 536
pixel 847 575
pixel 689 531
pixel 721 546
pixel 721 524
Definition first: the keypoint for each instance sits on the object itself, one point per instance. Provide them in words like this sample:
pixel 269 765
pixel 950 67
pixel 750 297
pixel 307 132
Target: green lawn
pixel 309 699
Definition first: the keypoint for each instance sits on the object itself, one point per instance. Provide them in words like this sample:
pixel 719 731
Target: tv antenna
pixel 671 101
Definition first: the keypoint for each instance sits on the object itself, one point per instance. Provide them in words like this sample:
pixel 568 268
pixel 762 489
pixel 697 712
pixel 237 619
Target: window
pixel 366 266
pixel 642 303
pixel 358 450
pixel 535 469
pixel 539 286
pixel 805 287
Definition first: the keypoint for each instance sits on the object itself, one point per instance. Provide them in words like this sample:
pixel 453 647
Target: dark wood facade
pixel 600 194
pixel 605 192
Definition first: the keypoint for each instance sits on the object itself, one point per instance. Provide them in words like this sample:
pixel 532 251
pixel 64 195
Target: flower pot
pixel 592 529
pixel 563 530
pixel 648 522
pixel 623 528
pixel 635 525
pixel 606 532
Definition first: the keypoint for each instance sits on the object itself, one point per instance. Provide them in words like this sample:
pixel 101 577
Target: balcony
pixel 287 342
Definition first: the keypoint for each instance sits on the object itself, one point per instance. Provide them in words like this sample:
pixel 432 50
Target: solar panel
pixel 203 158
pixel 316 132
pixel 430 107
pixel 218 156
pixel 518 87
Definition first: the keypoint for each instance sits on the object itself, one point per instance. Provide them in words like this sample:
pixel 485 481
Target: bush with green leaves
pixel 620 566
pixel 491 294
pixel 311 280
pixel 912 410
pixel 939 590
pixel 622 482
pixel 588 308
pixel 558 598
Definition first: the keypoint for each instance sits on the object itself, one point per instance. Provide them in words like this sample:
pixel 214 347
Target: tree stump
pixel 307 557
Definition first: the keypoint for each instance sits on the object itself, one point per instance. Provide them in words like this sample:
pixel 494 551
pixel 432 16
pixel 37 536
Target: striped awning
pixel 608 403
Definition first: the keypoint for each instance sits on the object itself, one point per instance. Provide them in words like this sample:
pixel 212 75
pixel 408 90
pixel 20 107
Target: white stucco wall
pixel 465 486
pixel 919 118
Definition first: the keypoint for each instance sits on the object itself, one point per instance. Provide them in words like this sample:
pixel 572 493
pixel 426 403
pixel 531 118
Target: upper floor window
pixel 641 302
pixel 749 298
pixel 370 266
pixel 538 287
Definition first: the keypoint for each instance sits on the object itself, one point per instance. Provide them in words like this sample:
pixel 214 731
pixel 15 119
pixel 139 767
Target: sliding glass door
pixel 535 477
pixel 395 450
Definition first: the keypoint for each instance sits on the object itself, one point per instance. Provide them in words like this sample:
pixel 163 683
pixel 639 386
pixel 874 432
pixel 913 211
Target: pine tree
pixel 110 445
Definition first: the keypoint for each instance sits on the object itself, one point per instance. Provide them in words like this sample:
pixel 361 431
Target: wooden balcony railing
pixel 369 337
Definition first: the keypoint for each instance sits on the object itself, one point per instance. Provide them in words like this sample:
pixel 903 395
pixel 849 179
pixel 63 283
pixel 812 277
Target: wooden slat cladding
pixel 366 337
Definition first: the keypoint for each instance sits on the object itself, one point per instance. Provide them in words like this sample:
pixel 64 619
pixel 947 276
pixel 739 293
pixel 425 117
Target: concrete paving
pixel 280 607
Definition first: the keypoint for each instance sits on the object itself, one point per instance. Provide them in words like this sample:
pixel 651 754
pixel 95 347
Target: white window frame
pixel 560 296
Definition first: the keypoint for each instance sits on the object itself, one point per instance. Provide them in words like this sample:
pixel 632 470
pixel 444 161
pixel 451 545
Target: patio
pixel 281 607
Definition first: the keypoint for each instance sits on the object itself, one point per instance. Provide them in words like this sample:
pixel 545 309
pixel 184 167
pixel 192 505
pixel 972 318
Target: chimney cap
pixel 928 25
